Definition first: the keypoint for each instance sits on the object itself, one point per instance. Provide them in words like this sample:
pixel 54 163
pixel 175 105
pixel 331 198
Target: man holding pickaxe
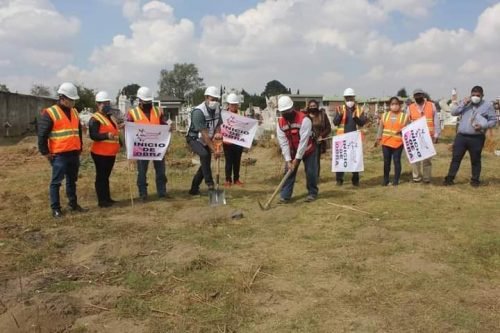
pixel 294 131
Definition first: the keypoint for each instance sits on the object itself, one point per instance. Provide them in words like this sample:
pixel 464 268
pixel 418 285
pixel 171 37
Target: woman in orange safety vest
pixel 105 133
pixel 389 136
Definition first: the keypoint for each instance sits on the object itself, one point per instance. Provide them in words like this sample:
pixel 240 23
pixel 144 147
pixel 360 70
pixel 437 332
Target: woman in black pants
pixel 105 133
pixel 232 152
pixel 321 128
pixel 389 136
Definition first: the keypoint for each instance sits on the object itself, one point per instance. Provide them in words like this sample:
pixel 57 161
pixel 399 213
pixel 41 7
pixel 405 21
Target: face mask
pixel 419 100
pixel 349 104
pixel 395 108
pixel 289 116
pixel 212 105
pixel 475 99
pixel 106 109
pixel 147 107
pixel 313 110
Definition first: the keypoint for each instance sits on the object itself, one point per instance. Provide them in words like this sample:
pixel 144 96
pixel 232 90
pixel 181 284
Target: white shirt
pixel 305 133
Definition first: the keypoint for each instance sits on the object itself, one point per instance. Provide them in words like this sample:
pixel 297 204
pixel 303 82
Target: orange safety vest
pixel 391 134
pixel 64 136
pixel 292 132
pixel 106 147
pixel 342 109
pixel 428 113
pixel 140 118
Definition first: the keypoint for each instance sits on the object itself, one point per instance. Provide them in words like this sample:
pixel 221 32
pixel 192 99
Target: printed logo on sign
pixel 143 148
pixel 231 131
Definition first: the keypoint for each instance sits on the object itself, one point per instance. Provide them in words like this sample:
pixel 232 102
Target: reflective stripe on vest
pixel 140 118
pixel 64 136
pixel 341 126
pixel 106 147
pixel 391 134
pixel 428 114
pixel 292 132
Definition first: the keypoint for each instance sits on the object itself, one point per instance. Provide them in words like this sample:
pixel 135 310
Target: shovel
pixel 217 196
pixel 278 188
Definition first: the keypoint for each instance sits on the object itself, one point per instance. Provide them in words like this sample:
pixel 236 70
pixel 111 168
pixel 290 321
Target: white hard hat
pixel 212 91
pixel 69 90
pixel 349 92
pixel 285 103
pixel 232 98
pixel 102 96
pixel 145 94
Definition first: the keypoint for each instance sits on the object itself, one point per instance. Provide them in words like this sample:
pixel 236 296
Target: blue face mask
pixel 106 109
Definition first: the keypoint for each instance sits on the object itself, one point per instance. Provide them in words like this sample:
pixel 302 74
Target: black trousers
pixel 232 154
pixel 205 169
pixel 103 167
pixel 392 154
pixel 340 177
pixel 467 143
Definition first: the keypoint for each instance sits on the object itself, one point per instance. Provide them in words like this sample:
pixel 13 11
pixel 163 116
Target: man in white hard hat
pixel 202 135
pixel 60 141
pixel 105 133
pixel 148 114
pixel 349 117
pixel 294 132
pixel 422 171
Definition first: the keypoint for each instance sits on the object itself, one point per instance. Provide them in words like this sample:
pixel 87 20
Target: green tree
pixel 197 96
pixel 181 82
pixel 402 93
pixel 254 100
pixel 274 88
pixel 87 98
pixel 41 90
pixel 130 90
pixel 4 88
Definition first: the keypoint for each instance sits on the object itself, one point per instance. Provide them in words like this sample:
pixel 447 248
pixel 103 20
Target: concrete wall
pixel 20 110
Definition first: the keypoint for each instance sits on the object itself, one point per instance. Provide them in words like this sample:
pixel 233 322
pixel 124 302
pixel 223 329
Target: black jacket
pixel 45 125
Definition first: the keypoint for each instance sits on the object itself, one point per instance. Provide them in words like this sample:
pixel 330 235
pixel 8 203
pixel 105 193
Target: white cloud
pixel 36 41
pixel 316 46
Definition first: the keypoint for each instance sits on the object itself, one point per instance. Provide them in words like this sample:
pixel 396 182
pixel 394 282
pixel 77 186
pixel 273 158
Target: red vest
pixel 106 147
pixel 292 132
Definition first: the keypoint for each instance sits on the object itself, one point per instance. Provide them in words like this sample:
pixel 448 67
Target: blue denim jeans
pixel 161 177
pixel 311 168
pixel 64 165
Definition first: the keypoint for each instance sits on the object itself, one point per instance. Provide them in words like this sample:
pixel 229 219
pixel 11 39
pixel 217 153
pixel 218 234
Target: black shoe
pixel 143 198
pixel 356 184
pixel 57 213
pixel 340 182
pixel 194 191
pixel 448 182
pixel 475 184
pixel 105 204
pixel 111 201
pixel 78 208
pixel 165 196
pixel 385 183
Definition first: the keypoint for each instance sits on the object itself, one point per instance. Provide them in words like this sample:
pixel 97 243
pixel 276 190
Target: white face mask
pixel 475 99
pixel 212 105
pixel 394 108
pixel 349 104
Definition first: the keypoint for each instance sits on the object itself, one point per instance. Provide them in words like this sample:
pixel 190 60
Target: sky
pixel 316 46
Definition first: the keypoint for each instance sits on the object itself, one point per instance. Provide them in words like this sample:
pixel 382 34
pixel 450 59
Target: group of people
pixel 301 136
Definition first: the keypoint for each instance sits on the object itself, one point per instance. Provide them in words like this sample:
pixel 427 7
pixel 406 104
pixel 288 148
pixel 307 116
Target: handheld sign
pixel 347 152
pixel 417 141
pixel 146 142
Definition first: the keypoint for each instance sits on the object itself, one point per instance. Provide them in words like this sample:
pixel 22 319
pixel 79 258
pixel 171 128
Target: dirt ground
pixel 412 258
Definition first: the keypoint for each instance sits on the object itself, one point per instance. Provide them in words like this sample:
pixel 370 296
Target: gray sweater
pixel 482 114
